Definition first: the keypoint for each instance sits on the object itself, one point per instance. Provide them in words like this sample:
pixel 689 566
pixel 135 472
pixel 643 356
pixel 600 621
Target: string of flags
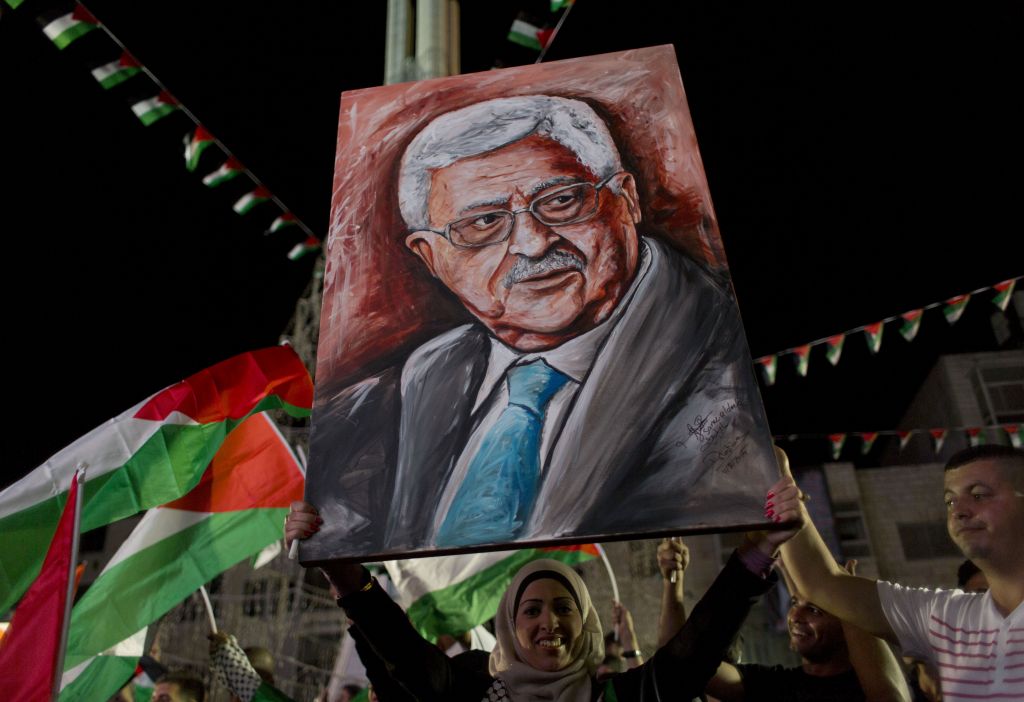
pixel 975 437
pixel 63 27
pixel 909 325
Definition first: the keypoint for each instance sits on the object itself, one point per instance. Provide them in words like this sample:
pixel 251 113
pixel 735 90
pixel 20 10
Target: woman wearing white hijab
pixel 549 637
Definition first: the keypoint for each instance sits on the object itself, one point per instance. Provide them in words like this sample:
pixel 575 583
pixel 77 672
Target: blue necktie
pixel 496 497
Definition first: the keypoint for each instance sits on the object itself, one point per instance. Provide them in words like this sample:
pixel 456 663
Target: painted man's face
pixel 544 284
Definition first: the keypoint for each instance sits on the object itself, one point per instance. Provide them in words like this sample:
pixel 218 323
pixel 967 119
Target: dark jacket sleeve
pixel 681 668
pixel 422 669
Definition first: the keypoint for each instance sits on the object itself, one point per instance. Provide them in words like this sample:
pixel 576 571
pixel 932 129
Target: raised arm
pixel 417 665
pixel 879 673
pixel 673 557
pixel 625 633
pixel 815 573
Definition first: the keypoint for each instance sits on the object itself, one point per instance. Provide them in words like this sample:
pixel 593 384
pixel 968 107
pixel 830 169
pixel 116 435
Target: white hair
pixel 490 125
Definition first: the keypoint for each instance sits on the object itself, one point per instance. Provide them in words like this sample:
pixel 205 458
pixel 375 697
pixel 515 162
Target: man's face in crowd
pixel 985 512
pixel 813 633
pixel 544 284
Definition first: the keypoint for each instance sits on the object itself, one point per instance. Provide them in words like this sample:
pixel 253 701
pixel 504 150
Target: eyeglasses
pixel 569 204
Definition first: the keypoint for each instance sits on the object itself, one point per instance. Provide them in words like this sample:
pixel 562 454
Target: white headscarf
pixel 524 682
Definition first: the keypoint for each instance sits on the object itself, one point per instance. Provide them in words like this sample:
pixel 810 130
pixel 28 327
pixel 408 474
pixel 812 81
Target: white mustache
pixel 554 259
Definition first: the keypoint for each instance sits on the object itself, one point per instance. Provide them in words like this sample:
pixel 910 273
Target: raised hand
pixel 302 522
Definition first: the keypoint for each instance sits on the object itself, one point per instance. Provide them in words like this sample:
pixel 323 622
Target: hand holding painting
pixel 673 557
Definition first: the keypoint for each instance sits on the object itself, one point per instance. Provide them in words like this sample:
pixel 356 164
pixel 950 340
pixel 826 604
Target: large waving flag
pixel 236 510
pixel 151 454
pixel 453 594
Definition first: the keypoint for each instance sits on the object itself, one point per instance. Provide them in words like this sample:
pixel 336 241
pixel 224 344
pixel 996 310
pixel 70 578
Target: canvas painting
pixel 528 335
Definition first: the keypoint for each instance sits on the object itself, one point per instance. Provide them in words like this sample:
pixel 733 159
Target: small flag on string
pixel 939 437
pixel 14 3
pixel 529 35
pixel 1016 434
pixel 867 440
pixel 231 168
pixel 837 441
pixel 155 108
pixel 308 246
pixel 1004 291
pixel 955 307
pixel 769 365
pixel 285 220
pixel 873 335
pixel 195 144
pixel 835 348
pixel 252 199
pixel 67 28
pixel 557 5
pixel 911 324
pixel 802 356
pixel 116 72
pixel 975 436
pixel 905 437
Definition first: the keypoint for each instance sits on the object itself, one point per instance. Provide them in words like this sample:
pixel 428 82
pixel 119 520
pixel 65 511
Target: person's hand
pixel 302 522
pixel 622 624
pixel 673 557
pixel 783 503
pixel 217 639
pixel 851 566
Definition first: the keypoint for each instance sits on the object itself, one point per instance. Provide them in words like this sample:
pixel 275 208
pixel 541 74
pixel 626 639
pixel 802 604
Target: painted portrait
pixel 528 332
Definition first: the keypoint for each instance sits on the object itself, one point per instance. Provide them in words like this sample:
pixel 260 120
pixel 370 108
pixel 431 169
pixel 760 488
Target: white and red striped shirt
pixel 978 652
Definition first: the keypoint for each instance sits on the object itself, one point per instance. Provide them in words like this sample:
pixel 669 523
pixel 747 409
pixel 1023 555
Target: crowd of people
pixel 964 643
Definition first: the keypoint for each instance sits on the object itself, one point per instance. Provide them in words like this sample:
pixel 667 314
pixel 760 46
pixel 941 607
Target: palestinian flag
pixel 310 245
pixel 975 437
pixel 905 437
pixel 67 28
pixel 873 335
pixel 769 365
pixel 151 454
pixel 1004 291
pixel 867 441
pixel 31 644
pixel 557 5
pixel 453 594
pixel 231 168
pixel 235 511
pixel 802 356
pixel 1016 434
pixel 938 438
pixel 834 348
pixel 529 35
pixel 116 72
pixel 251 200
pixel 100 677
pixel 955 307
pixel 285 220
pixel 911 324
pixel 155 108
pixel 837 441
pixel 195 145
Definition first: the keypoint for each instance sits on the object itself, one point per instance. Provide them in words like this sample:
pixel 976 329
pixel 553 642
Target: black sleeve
pixel 386 687
pixel 761 682
pixel 422 669
pixel 680 670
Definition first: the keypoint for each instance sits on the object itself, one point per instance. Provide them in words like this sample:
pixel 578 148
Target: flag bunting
pixel 67 28
pixel 938 435
pixel 910 324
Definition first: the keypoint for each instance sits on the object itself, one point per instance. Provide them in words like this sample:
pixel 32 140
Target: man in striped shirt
pixel 974 640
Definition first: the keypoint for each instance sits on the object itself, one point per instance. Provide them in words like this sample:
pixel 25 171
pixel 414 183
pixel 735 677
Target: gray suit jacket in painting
pixel 666 432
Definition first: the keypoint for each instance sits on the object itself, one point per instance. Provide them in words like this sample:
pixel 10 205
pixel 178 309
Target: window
pixel 1000 392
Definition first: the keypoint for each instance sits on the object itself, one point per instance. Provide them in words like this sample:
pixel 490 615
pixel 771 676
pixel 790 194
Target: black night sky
pixel 864 160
